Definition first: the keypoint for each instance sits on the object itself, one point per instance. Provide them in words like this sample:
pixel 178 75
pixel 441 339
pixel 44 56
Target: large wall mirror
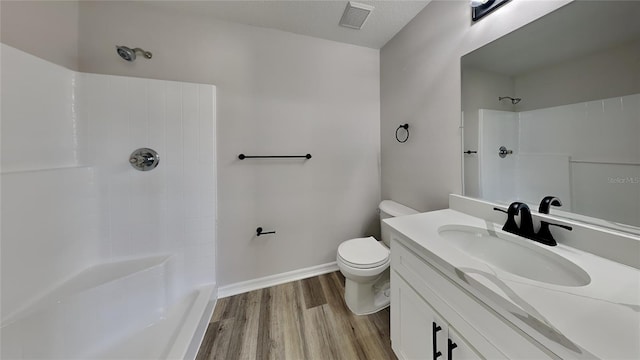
pixel 554 109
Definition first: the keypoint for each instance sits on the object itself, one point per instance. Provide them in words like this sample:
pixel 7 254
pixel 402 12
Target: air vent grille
pixel 355 15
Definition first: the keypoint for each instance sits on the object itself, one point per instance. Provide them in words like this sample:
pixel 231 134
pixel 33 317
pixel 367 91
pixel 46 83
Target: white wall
pixel 278 93
pixel 420 85
pixel 46 29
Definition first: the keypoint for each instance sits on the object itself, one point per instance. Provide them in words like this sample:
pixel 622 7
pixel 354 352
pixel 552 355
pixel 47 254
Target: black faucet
pixel 544 236
pixel 526 222
pixel 525 229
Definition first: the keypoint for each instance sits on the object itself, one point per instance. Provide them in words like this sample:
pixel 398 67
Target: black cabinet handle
pixel 450 348
pixel 435 328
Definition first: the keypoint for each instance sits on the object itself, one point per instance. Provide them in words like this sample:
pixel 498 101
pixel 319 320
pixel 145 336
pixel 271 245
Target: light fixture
pixel 480 8
pixel 355 15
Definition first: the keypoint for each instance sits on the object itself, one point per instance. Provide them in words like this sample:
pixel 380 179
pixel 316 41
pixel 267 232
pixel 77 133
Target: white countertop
pixel 601 319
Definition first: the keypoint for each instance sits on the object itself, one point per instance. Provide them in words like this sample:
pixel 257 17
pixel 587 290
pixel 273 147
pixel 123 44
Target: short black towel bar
pixel 260 232
pixel 243 156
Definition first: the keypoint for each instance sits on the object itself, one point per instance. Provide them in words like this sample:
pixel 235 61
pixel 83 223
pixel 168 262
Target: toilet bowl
pixel 364 262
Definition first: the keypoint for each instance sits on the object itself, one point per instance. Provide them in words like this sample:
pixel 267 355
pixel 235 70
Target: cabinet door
pixel 418 332
pixel 458 348
pixel 415 329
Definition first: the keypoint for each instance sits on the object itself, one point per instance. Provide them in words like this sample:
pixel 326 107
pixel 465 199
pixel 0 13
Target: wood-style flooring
pixel 300 320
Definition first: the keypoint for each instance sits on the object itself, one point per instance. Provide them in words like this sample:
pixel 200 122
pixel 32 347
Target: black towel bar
pixel 243 156
pixel 260 232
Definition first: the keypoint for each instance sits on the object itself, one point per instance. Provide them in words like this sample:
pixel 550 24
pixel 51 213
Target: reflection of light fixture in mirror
pixel 480 8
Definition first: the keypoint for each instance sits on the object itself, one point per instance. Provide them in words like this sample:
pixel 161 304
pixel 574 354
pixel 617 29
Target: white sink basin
pixel 514 254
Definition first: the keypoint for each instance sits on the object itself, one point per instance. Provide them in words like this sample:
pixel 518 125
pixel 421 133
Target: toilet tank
pixel 389 209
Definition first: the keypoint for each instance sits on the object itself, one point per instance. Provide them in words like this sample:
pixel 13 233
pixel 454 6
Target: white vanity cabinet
pixel 418 332
pixel 430 313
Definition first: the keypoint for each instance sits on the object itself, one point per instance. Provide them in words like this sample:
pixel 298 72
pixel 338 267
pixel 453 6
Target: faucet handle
pixel 566 227
pixel 547 202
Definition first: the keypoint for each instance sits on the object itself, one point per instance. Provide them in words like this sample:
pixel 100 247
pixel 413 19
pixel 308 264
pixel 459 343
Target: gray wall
pixel 278 93
pixel 421 85
pixel 47 29
pixel 605 74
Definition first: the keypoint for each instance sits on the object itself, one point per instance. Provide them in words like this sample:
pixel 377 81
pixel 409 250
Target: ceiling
pixel 317 18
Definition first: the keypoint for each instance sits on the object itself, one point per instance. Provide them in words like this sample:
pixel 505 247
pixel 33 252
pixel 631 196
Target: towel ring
pixel 406 127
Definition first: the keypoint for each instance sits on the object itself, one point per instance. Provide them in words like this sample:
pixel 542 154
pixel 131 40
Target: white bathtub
pixel 119 310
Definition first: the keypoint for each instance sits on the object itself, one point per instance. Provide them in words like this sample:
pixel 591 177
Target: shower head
pixel 130 54
pixel 513 100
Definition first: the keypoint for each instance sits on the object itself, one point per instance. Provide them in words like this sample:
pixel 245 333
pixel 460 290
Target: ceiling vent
pixel 355 15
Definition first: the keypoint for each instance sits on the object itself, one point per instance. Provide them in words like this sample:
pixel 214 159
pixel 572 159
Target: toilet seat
pixel 363 253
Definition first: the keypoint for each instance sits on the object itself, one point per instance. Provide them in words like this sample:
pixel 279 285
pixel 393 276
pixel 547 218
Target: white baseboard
pixel 214 292
pixel 277 279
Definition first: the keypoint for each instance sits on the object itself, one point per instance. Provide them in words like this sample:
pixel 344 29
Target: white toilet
pixel 364 262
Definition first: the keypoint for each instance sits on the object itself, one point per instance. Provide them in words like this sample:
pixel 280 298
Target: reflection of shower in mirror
pixel 513 100
pixel 577 122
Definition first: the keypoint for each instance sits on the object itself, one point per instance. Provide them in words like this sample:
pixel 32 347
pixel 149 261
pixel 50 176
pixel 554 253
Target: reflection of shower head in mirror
pixel 513 100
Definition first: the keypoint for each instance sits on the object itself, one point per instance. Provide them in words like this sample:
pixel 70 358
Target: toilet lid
pixel 363 252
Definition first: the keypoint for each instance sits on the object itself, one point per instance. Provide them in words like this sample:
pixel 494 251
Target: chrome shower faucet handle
pixel 144 159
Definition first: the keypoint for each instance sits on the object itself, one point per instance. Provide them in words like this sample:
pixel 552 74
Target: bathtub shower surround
pixel 170 209
pixel 587 153
pixel 87 239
